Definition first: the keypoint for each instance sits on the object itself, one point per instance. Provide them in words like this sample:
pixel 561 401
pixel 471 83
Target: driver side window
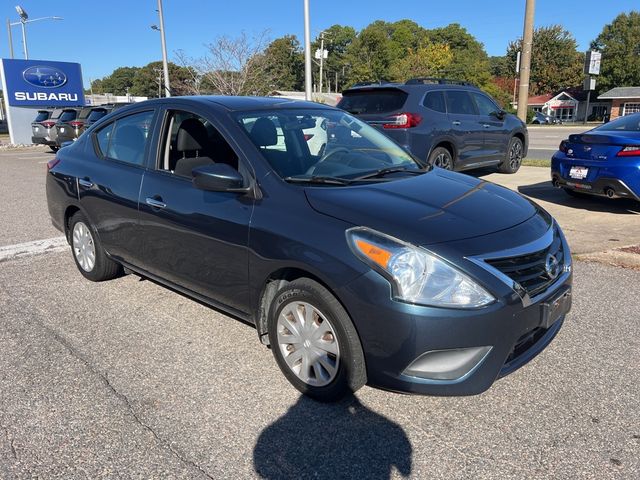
pixel 191 141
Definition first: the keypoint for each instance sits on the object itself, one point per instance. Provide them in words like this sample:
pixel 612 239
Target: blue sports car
pixel 603 161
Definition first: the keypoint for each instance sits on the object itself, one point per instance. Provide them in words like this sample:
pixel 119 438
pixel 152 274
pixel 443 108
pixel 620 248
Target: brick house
pixel 625 100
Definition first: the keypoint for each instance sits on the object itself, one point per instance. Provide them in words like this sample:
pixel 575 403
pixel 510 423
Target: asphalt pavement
pixel 545 139
pixel 126 379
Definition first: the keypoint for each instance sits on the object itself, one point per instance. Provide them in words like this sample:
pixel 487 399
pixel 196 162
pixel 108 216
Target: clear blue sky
pixel 105 35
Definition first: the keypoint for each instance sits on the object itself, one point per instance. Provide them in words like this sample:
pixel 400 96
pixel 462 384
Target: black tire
pixel 350 370
pixel 54 148
pixel 103 267
pixel 513 158
pixel 442 157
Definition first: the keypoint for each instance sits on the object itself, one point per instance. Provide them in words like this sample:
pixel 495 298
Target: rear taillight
pixel 563 146
pixel 76 124
pixel 48 124
pixel 308 136
pixel 52 163
pixel 630 151
pixel 403 120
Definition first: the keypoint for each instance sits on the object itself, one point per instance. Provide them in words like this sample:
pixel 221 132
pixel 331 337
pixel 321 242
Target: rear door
pixel 110 186
pixel 465 128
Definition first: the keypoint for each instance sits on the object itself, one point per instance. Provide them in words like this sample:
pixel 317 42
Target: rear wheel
pixel 314 342
pixel 88 253
pixel 54 148
pixel 441 157
pixel 513 158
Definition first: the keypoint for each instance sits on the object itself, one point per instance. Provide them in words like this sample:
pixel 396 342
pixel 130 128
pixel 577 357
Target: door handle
pixel 456 123
pixel 155 203
pixel 85 182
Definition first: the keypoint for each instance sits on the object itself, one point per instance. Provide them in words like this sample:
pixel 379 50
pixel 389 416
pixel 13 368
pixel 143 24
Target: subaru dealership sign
pixel 31 84
pixel 37 83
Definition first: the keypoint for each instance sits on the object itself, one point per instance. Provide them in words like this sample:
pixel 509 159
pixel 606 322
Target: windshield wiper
pixel 384 171
pixel 319 179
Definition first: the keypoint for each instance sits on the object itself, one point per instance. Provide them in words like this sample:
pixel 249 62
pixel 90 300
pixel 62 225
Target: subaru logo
pixel 552 267
pixel 45 77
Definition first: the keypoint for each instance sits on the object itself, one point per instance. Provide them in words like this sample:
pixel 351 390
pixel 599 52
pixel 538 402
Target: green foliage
pixel 619 43
pixel 530 115
pixel 142 81
pixel 555 61
pixel 284 64
pixel 427 61
pixel 117 83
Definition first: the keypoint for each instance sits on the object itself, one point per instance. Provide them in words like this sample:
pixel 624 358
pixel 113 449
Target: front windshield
pixel 305 143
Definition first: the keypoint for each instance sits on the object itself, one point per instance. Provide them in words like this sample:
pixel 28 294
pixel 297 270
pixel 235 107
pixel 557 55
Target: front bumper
pixel 441 351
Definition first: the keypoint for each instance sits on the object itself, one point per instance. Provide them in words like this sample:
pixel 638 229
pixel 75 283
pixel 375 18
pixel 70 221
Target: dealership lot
pixel 127 378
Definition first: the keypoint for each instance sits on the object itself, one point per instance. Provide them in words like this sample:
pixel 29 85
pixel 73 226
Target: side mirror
pixel 499 114
pixel 218 177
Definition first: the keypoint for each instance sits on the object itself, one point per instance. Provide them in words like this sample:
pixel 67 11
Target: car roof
pixel 236 103
pixel 412 87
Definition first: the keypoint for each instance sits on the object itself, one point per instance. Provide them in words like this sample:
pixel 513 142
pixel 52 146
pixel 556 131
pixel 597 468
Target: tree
pixel 284 64
pixel 146 81
pixel 338 39
pixel 117 83
pixel 427 61
pixel 555 60
pixel 619 43
pixel 233 65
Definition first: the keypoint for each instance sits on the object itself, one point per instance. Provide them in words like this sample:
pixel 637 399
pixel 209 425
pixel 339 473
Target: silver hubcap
pixel 83 247
pixel 443 161
pixel 515 155
pixel 308 344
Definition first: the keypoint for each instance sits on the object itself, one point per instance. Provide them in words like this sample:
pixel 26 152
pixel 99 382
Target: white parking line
pixel 37 247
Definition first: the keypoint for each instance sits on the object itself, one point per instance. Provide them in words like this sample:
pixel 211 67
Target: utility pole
pixel 307 53
pixel 321 57
pixel 525 67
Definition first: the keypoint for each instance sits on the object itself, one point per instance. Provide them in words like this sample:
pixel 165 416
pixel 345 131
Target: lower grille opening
pixel 525 342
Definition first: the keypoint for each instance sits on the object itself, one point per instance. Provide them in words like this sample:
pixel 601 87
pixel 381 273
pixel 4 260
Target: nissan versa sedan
pixel 357 263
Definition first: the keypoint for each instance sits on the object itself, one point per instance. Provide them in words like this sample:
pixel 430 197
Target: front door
pixel 197 239
pixel 468 133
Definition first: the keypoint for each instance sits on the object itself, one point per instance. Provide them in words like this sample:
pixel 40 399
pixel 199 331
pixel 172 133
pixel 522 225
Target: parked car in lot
pixel 540 118
pixel 72 129
pixel 449 124
pixel 603 161
pixel 356 264
pixel 45 132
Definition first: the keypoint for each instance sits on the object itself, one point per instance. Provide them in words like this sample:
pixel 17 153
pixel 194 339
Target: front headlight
pixel 416 275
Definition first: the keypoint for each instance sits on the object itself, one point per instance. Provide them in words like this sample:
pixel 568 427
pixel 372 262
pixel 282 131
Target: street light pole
pixel 24 39
pixel 10 38
pixel 307 53
pixel 525 68
pixel 165 63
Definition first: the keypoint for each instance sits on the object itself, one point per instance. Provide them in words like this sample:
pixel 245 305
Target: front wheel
pixel 314 342
pixel 88 253
pixel 513 158
pixel 441 157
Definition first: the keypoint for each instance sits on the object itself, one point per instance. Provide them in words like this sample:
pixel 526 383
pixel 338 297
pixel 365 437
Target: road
pixel 126 379
pixel 544 140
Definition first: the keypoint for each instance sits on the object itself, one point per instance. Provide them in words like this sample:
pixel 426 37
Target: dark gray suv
pixel 450 124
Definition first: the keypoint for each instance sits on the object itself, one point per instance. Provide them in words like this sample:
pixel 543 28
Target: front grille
pixel 529 271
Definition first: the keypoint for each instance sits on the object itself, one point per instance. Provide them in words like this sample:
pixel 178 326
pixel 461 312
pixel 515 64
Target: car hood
pixel 438 206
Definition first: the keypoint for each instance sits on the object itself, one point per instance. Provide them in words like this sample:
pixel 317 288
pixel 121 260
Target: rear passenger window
pixel 126 139
pixel 435 101
pixel 460 102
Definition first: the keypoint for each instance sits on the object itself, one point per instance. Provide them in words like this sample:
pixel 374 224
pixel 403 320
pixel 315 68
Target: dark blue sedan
pixel 603 161
pixel 355 262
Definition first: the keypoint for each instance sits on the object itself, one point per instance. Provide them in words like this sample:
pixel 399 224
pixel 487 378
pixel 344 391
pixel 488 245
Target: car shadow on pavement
pixel 547 192
pixel 340 440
